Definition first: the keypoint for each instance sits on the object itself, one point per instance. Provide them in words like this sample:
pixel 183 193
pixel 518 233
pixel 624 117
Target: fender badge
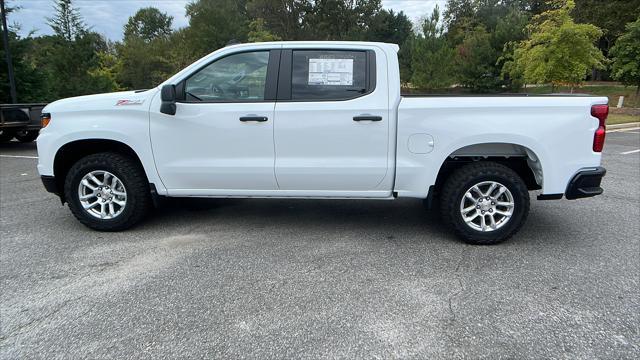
pixel 129 102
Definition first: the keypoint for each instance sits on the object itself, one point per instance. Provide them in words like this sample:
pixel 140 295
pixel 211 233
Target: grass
pixel 621 119
pixel 612 91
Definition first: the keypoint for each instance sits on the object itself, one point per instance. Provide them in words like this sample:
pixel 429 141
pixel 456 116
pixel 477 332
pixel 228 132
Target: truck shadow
pixel 401 220
pixel 298 215
pixel 16 145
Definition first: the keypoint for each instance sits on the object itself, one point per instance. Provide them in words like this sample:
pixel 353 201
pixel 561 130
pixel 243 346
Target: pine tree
pixel 67 22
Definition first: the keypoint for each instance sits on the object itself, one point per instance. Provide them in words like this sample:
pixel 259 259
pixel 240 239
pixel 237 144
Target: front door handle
pixel 367 118
pixel 254 118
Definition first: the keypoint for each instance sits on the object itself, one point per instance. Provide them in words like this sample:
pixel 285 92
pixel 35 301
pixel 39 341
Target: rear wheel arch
pixel 519 158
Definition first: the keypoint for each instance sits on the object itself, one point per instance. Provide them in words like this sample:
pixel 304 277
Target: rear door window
pixel 328 75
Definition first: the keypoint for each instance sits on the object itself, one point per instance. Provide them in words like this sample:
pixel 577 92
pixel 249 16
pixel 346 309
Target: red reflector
pixel 600 112
pixel 598 139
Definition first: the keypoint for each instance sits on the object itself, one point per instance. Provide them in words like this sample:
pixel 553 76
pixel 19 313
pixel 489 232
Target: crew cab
pixel 319 120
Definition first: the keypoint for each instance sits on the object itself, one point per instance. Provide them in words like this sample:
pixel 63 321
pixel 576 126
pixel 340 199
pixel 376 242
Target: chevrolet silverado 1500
pixel 321 120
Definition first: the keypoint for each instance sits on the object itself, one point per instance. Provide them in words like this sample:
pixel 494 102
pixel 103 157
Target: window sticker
pixel 331 72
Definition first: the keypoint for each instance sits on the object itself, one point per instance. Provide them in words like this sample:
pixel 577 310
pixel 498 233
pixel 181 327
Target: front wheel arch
pixel 70 153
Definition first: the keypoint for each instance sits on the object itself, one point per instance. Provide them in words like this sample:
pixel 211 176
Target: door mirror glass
pixel 168 97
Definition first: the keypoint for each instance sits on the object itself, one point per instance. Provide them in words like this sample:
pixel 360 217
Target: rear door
pixel 332 122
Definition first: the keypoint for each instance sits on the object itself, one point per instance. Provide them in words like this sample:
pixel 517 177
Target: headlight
pixel 45 119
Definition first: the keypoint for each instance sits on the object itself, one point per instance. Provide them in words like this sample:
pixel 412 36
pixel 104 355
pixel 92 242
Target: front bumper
pixel 585 183
pixel 50 184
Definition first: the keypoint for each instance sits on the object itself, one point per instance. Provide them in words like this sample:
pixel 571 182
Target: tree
pixel 67 57
pixel 626 56
pixel 213 23
pixel 143 58
pixel 286 19
pixel 475 61
pixel 432 56
pixel 258 33
pixel 105 74
pixel 144 65
pixel 31 83
pixel 396 28
pixel 610 16
pixel 148 24
pixel 459 17
pixel 340 19
pixel 67 22
pixel 558 51
pixel 389 26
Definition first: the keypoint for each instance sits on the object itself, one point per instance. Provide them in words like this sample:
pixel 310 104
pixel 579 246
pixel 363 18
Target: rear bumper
pixel 585 183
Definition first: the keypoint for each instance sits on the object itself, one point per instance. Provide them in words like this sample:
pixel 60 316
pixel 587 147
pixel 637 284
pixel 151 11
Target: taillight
pixel 601 112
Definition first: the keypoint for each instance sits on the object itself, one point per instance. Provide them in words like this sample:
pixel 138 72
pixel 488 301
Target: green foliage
pixel 144 55
pixel 464 16
pixel 67 62
pixel 626 56
pixel 558 50
pixel 340 19
pixel 104 75
pixel 432 56
pixel 213 23
pixel 479 30
pixel 396 28
pixel 286 19
pixel 475 61
pixel 610 16
pixel 143 65
pixel 148 24
pixel 258 33
pixel 30 81
pixel 67 22
pixel 483 45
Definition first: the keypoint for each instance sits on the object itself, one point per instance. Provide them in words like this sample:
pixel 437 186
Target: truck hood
pixel 100 102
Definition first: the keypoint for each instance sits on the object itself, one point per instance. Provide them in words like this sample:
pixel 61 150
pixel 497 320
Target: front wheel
pixel 26 136
pixel 485 203
pixel 107 191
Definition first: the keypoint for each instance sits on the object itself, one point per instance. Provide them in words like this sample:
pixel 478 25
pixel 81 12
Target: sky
pixel 108 17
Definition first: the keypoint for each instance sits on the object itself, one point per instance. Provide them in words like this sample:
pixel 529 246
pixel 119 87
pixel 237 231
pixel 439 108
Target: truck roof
pixel 395 47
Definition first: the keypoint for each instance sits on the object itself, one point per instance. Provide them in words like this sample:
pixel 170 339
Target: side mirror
pixel 168 97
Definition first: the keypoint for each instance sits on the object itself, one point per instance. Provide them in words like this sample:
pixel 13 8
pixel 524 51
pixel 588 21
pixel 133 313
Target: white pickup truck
pixel 318 120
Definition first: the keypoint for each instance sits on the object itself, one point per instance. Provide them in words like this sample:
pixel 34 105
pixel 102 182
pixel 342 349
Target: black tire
pixel 6 135
pixel 466 177
pixel 138 200
pixel 26 136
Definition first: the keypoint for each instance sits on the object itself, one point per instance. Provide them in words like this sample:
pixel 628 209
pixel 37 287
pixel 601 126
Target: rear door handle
pixel 254 118
pixel 367 118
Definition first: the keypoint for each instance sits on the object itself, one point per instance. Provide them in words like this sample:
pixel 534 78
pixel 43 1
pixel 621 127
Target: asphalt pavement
pixel 319 279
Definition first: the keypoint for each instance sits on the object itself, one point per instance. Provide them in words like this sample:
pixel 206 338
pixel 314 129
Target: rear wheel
pixel 485 203
pixel 107 192
pixel 26 136
pixel 6 135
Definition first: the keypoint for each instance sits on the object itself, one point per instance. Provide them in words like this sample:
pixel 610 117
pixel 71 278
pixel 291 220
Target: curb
pixel 623 126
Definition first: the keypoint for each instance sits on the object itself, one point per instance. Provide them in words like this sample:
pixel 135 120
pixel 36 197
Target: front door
pixel 220 141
